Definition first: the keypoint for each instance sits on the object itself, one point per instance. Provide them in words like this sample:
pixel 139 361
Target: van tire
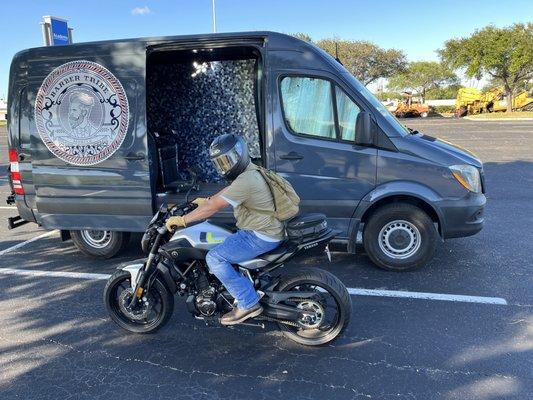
pixel 400 237
pixel 89 242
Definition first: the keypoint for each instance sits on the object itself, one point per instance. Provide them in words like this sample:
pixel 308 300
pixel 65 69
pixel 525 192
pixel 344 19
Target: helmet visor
pixel 225 162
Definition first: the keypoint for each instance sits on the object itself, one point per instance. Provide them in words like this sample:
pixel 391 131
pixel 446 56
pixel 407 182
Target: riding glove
pixel 175 222
pixel 200 200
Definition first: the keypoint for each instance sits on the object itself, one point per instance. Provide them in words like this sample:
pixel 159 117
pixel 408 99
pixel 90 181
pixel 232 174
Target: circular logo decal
pixel 81 113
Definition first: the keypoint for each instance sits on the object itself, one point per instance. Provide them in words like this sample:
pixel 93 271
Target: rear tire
pixel 329 282
pixel 121 279
pixel 400 237
pixel 100 244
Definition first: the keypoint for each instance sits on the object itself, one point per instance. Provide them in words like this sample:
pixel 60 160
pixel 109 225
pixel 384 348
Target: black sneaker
pixel 237 315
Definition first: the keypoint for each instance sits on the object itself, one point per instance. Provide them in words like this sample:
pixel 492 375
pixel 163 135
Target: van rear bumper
pixel 464 217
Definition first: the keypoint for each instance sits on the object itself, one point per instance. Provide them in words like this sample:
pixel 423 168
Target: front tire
pixel 149 320
pixel 100 244
pixel 322 281
pixel 400 237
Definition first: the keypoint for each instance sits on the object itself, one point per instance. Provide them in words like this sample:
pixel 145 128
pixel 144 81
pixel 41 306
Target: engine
pixel 202 301
pixel 205 302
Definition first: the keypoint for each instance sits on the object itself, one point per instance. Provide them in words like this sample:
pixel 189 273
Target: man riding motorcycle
pixel 259 231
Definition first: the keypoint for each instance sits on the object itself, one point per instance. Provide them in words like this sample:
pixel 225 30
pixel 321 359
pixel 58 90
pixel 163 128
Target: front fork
pixel 141 272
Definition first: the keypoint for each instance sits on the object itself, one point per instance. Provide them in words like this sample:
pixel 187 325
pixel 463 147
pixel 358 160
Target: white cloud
pixel 141 10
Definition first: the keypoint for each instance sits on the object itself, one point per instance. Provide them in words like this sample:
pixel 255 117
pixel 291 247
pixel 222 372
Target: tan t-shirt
pixel 250 191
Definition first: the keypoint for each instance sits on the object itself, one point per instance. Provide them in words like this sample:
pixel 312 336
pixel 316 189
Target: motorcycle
pixel 310 305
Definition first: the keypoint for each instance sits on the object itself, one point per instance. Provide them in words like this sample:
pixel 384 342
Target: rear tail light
pixel 15 172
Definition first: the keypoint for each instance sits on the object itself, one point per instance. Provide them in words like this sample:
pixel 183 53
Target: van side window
pixel 347 113
pixel 308 106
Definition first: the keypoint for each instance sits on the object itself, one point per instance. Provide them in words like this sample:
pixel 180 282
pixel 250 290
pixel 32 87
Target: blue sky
pixel 417 27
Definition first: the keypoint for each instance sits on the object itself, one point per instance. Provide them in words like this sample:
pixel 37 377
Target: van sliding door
pixel 88 137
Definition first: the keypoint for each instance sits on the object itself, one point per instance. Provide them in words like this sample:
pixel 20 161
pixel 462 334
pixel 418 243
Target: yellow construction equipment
pixel 473 101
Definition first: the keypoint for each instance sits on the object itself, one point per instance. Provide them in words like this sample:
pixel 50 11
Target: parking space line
pixel 352 291
pixel 54 274
pixel 22 244
pixel 427 296
pixel 8 208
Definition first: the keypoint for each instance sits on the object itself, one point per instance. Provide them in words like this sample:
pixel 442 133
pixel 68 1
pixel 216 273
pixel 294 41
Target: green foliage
pixel 505 54
pixel 365 60
pixel 443 109
pixel 383 95
pixel 443 92
pixel 420 76
pixel 302 36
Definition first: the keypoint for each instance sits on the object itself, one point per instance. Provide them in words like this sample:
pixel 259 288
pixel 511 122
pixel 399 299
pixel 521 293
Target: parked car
pixel 100 134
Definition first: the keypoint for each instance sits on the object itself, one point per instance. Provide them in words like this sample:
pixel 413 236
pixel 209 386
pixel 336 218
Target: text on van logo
pixel 82 113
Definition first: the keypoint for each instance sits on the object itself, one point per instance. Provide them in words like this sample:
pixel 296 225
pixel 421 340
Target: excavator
pixel 472 101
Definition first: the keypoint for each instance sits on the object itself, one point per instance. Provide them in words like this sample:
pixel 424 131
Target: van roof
pixel 276 39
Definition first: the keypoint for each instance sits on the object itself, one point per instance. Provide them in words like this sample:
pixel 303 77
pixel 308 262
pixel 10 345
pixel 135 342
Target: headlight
pixel 467 176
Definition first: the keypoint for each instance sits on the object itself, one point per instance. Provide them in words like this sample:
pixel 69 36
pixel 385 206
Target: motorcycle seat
pixel 285 247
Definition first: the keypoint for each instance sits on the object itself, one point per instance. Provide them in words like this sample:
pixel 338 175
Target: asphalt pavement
pixel 57 342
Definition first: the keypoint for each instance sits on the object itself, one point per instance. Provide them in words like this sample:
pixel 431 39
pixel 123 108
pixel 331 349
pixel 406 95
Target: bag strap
pixel 265 212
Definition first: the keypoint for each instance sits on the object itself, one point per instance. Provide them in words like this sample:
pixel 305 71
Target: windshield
pixel 377 104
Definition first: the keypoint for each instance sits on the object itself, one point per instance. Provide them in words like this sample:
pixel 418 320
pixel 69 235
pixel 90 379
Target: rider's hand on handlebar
pixel 200 200
pixel 175 222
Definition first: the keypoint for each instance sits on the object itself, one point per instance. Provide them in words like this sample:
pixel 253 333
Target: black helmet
pixel 229 154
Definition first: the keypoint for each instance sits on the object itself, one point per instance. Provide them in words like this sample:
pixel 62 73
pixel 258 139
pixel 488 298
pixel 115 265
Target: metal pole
pixel 214 17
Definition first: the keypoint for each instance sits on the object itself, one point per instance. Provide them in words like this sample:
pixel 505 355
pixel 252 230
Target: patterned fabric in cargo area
pixel 200 103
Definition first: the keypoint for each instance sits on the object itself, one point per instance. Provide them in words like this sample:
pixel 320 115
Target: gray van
pixel 100 134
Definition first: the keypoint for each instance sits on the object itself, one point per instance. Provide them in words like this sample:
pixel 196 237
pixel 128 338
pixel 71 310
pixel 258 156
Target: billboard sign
pixel 59 32
pixel 56 31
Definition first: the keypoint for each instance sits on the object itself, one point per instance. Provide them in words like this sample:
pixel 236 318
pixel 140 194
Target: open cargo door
pixel 88 138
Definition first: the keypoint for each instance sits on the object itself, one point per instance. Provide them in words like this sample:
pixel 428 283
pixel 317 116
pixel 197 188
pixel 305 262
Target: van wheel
pixel 100 244
pixel 400 237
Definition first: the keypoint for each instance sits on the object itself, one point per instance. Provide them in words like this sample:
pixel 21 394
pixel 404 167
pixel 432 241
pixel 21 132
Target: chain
pixel 281 321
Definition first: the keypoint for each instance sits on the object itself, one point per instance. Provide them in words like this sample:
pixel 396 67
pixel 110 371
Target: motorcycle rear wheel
pixel 323 282
pixel 158 312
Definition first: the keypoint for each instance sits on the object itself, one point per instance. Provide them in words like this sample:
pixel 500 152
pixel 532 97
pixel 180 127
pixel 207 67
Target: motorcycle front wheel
pixel 154 312
pixel 328 315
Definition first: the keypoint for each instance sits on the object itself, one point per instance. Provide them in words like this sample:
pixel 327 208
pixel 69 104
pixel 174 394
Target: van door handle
pixel 134 157
pixel 291 156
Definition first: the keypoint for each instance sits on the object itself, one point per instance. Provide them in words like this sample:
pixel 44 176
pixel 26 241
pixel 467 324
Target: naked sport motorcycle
pixel 310 305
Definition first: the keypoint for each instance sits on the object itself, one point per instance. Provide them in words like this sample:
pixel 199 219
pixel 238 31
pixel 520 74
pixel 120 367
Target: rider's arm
pixel 210 207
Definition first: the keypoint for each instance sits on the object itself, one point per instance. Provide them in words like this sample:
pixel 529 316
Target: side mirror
pixel 365 129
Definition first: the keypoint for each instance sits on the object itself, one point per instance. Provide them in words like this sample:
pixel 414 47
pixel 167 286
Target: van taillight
pixel 15 172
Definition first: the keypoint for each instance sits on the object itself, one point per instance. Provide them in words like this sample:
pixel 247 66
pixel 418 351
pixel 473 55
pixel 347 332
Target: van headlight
pixel 467 176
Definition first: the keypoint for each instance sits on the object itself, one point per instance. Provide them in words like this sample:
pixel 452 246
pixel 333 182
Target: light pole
pixel 214 17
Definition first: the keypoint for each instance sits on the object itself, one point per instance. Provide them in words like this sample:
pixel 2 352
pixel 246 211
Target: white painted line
pixel 352 291
pixel 55 274
pixel 22 244
pixel 427 296
pixel 8 207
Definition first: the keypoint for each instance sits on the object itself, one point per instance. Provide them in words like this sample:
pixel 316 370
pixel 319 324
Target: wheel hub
pixel 313 313
pixel 138 313
pixel 399 239
pixel 96 239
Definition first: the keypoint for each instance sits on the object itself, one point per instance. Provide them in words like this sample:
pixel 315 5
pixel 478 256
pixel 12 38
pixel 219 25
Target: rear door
pixel 314 145
pixel 88 139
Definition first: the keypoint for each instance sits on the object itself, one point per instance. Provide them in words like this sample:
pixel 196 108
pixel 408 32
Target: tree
pixel 302 36
pixel 365 60
pixel 504 54
pixel 420 76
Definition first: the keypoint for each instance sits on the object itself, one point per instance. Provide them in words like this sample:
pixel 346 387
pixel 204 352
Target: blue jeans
pixel 239 247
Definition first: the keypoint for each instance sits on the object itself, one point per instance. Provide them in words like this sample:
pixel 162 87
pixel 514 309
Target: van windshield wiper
pixel 412 131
